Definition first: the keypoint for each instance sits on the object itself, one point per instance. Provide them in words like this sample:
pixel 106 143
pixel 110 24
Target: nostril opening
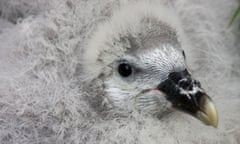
pixel 197 83
pixel 185 83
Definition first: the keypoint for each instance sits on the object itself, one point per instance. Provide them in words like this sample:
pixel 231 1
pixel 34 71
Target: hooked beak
pixel 186 95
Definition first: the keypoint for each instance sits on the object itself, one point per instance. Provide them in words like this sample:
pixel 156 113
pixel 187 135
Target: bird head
pixel 141 62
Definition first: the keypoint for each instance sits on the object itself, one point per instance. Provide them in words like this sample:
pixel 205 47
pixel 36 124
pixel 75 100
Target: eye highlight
pixel 124 69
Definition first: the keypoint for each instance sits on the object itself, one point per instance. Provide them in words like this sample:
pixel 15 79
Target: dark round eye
pixel 125 70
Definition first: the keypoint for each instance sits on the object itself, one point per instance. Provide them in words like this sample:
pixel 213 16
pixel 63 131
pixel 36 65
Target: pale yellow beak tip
pixel 208 114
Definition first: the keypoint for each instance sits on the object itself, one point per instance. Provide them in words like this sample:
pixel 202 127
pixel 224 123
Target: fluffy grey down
pixel 45 98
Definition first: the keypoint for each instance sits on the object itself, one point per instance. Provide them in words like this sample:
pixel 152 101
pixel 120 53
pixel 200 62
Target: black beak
pixel 186 95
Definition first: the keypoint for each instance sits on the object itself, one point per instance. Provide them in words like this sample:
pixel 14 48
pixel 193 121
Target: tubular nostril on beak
pixel 185 83
pixel 182 79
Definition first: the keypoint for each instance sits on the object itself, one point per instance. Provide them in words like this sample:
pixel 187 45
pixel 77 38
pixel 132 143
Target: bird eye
pixel 125 70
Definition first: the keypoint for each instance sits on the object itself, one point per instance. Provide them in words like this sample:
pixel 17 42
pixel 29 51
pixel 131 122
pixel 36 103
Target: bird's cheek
pixel 119 95
pixel 151 102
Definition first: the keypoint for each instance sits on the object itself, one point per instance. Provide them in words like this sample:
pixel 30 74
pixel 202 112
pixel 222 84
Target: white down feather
pixel 44 97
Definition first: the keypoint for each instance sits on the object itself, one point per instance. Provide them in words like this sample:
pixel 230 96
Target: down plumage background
pixel 42 96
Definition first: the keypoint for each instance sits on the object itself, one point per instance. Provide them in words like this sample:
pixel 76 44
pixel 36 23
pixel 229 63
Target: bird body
pixel 127 77
pixel 136 53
